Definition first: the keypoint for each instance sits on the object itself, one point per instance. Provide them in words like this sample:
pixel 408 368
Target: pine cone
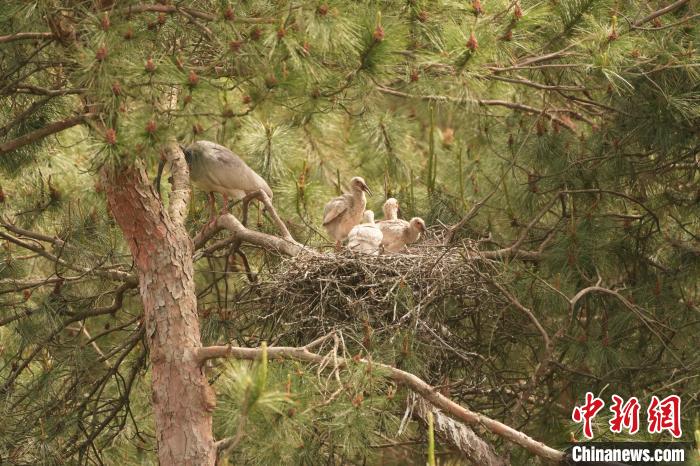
pixel 472 43
pixel 378 34
pixel 111 136
pixel 104 22
pixel 228 14
pixel 101 53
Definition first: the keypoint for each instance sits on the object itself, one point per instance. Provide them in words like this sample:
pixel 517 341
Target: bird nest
pixel 427 287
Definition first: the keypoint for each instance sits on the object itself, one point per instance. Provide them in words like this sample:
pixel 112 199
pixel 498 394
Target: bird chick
pixel 391 209
pixel 344 212
pixel 398 233
pixel 365 238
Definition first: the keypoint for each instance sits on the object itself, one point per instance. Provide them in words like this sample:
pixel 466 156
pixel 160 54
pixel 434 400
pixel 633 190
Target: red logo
pixel 665 415
pixel 587 412
pixel 661 415
pixel 624 415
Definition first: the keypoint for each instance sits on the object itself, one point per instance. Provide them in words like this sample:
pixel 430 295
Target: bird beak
pixel 366 189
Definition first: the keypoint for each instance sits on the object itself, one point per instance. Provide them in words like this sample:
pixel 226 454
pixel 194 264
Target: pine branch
pixel 533 60
pixel 514 249
pixel 199 14
pixel 547 113
pixel 109 274
pixel 41 133
pixel 26 36
pixel 670 8
pixel 428 392
pixel 30 89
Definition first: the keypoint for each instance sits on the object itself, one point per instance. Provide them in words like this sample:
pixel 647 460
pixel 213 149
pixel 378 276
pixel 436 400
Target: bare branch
pixel 514 249
pixel 672 7
pixel 547 113
pixel 180 196
pixel 538 59
pixel 110 274
pixel 30 89
pixel 267 202
pixel 472 212
pixel 26 36
pixel 476 449
pixel 270 242
pixel 41 133
pixel 199 14
pixel 285 244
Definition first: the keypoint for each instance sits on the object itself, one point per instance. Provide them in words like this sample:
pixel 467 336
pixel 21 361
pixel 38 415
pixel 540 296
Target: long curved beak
pixel 366 189
pixel 156 183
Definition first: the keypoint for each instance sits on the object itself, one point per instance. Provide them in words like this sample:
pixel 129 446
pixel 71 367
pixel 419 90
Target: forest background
pixel 551 147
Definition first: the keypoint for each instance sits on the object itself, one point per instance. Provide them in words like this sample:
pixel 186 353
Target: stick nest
pixel 425 287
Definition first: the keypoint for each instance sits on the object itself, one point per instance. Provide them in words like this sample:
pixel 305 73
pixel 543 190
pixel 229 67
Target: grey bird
pixel 365 238
pixel 344 212
pixel 397 233
pixel 215 169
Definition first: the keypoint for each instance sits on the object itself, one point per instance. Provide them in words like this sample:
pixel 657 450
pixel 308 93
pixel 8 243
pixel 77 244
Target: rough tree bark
pixel 162 250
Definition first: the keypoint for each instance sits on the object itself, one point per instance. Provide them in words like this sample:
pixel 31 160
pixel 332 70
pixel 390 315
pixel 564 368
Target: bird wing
pixel 366 233
pixel 335 208
pixel 365 238
pixel 393 226
pixel 392 231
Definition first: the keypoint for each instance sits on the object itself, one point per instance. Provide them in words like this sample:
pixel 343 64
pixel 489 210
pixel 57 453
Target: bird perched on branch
pixel 365 238
pixel 215 169
pixel 397 233
pixel 344 212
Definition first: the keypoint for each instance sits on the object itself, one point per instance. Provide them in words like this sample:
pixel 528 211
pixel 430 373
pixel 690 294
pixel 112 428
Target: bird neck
pixel 359 195
pixel 188 155
pixel 391 214
pixel 412 233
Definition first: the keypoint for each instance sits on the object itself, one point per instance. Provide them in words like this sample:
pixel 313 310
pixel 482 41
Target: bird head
pixel 358 184
pixel 188 151
pixel 368 217
pixel 418 224
pixel 391 208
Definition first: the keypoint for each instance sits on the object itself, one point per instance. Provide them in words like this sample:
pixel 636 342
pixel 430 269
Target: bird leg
pixel 245 204
pixel 338 246
pixel 224 210
pixel 212 208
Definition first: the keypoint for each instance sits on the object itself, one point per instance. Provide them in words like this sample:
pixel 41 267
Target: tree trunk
pixel 162 250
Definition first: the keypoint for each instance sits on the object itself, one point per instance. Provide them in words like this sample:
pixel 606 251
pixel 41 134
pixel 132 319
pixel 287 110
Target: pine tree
pixel 552 147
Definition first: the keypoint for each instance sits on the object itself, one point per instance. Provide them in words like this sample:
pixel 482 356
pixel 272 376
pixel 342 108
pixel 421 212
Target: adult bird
pixel 397 233
pixel 344 212
pixel 365 238
pixel 215 169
